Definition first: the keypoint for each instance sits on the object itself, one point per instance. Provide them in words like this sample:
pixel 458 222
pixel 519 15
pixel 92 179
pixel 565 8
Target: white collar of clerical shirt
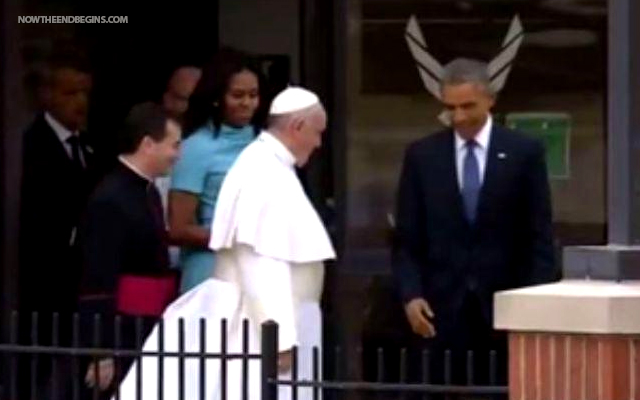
pixel 133 168
pixel 282 152
pixel 481 139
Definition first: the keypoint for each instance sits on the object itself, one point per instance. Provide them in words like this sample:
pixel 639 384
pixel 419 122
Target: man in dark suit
pixel 57 176
pixel 473 218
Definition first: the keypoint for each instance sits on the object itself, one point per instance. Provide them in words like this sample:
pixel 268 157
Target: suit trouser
pixel 35 367
pixel 63 376
pixel 448 354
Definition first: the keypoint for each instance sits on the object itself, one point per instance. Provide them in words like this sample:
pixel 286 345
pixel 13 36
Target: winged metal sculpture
pixel 431 70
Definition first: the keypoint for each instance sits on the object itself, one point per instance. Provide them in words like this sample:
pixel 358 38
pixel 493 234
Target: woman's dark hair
pixel 207 102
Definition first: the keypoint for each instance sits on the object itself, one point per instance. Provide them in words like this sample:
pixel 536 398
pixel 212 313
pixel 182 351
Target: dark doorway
pixel 131 61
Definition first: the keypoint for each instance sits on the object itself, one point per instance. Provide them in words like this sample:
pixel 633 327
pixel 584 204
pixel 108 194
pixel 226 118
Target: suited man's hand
pixel 285 360
pixel 106 372
pixel 419 314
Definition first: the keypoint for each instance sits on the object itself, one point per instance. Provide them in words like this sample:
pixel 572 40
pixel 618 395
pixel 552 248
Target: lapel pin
pixel 502 156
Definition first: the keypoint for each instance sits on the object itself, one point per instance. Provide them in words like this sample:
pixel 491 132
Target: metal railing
pixel 334 385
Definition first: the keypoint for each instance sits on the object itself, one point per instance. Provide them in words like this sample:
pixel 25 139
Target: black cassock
pixel 123 236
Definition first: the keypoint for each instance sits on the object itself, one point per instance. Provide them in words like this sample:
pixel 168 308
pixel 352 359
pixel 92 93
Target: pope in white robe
pixel 271 245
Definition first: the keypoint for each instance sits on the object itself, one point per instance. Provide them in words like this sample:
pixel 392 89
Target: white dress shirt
pixel 481 151
pixel 63 134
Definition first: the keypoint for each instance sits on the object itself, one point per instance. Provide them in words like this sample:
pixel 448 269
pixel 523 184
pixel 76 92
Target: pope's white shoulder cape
pixel 262 204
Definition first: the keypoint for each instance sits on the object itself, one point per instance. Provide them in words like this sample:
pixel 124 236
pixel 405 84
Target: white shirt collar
pixel 282 152
pixel 134 168
pixel 61 131
pixel 482 138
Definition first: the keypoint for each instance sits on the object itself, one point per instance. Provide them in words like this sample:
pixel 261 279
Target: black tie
pixel 74 142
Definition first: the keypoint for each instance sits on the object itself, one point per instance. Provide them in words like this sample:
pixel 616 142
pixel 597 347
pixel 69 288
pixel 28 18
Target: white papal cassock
pixel 270 246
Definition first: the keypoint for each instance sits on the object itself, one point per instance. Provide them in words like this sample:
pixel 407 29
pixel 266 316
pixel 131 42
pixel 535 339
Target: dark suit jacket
pixel 441 256
pixel 53 195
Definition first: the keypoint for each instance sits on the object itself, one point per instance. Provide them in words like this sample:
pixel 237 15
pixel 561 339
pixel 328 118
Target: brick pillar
pixel 573 340
pixel 545 366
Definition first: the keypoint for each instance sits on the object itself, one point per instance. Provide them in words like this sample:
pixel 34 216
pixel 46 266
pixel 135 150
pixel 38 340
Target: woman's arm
pixel 183 227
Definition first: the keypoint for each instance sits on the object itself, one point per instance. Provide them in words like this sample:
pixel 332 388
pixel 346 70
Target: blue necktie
pixel 470 181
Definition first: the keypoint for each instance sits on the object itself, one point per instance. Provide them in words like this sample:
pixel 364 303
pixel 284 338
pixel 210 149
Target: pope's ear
pixel 298 123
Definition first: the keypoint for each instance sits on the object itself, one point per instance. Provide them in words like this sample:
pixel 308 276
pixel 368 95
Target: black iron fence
pixel 67 368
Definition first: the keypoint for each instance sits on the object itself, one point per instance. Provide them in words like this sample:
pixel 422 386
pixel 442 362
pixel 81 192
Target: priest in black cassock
pixel 124 243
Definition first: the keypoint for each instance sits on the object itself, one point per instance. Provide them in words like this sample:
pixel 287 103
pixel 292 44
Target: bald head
pixel 181 85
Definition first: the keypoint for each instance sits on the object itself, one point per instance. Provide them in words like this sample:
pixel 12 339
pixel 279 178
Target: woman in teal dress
pixel 221 122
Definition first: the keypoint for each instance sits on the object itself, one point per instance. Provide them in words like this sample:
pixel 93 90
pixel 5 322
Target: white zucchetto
pixel 292 99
